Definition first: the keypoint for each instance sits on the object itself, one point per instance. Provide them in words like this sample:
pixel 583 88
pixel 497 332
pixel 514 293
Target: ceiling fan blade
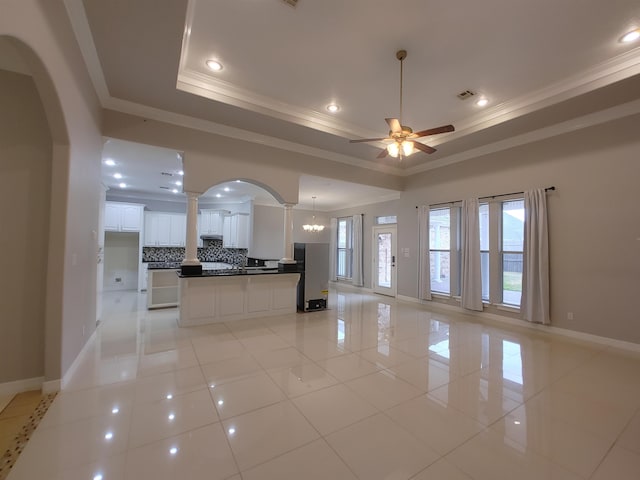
pixel 394 125
pixel 434 131
pixel 423 147
pixel 367 140
pixel 383 153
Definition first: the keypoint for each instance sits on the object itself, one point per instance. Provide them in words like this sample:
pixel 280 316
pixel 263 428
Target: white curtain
pixel 535 274
pixel 356 272
pixel 471 276
pixel 333 236
pixel 425 260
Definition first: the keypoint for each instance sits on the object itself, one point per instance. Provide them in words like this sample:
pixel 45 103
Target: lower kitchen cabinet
pixel 162 288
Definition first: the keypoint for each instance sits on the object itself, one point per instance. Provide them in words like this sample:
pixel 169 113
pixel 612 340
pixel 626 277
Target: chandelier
pixel 314 227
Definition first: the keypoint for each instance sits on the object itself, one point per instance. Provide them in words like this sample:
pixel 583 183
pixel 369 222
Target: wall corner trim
pixel 66 378
pixel 19 386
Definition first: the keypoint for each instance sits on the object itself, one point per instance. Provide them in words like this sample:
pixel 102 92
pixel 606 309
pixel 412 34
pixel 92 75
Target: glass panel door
pixel 384 260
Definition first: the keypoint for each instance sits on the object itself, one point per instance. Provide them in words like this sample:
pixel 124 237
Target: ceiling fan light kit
pixel 401 137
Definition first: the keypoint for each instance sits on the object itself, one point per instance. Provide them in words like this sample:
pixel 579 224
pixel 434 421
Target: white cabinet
pixel 211 222
pixel 162 288
pixel 122 217
pixel 236 230
pixel 165 229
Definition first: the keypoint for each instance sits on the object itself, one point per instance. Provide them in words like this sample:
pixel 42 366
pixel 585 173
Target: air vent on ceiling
pixel 293 3
pixel 466 94
pixel 166 188
pixel 167 174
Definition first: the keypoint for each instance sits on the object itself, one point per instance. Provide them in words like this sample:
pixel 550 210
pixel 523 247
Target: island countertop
pixel 232 272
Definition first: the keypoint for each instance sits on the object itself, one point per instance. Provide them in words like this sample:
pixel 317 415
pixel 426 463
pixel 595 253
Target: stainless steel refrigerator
pixel 313 265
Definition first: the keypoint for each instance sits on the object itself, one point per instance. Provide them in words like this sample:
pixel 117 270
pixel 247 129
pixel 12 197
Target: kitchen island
pixel 227 295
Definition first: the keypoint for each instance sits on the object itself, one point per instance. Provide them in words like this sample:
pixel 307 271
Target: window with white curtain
pixel 444 250
pixel 484 249
pixel 512 250
pixel 344 247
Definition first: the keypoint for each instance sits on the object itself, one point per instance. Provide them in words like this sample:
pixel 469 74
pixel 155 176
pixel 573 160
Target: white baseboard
pixel 51 386
pixel 66 378
pixel 550 329
pixel 19 386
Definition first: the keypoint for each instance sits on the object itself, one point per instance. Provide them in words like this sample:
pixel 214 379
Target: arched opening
pixel 34 149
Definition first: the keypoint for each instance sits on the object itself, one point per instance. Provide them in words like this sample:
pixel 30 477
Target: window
pixel 345 229
pixel 388 220
pixel 501 223
pixel 512 251
pixel 484 249
pixel 444 254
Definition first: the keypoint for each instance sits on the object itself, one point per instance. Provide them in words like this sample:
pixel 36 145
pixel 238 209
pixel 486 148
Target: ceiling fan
pixel 401 138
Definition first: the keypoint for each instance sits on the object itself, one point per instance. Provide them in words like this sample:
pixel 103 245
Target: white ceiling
pixel 546 67
pixel 154 172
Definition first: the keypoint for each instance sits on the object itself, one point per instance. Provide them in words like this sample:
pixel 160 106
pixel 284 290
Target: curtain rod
pixel 488 196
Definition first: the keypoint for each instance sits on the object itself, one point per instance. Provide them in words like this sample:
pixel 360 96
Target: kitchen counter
pixel 228 295
pixel 235 272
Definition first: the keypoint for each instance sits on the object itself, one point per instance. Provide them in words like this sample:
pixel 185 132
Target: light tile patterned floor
pixel 369 389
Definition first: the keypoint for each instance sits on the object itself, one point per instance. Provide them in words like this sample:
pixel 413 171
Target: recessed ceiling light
pixel 214 65
pixel 173 450
pixel 97 477
pixel 238 181
pixel 180 172
pixel 631 36
pixel 123 185
pixel 108 436
pixel 117 175
pixel 227 189
pixel 179 183
pixel 333 108
pixel 218 195
pixel 232 431
pixel 109 162
pixel 482 102
pixel 175 190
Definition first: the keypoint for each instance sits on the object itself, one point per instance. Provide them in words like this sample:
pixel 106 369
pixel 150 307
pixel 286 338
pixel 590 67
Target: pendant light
pixel 314 227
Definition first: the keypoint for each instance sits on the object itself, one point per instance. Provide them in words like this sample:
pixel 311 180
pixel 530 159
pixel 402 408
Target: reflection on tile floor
pixel 369 389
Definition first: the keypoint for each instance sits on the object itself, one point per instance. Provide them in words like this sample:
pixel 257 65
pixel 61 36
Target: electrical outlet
pixel 569 315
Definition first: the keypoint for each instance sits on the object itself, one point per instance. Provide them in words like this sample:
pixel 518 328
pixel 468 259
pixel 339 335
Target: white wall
pixel 594 219
pixel 42 33
pixel 121 252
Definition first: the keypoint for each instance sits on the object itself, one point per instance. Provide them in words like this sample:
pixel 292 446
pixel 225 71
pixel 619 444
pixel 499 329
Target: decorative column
pixel 287 263
pixel 191 264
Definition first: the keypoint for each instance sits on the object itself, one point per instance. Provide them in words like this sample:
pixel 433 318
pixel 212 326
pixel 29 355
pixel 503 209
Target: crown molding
pixel 579 123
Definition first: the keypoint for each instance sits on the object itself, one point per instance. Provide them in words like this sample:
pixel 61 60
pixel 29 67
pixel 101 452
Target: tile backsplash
pixel 213 253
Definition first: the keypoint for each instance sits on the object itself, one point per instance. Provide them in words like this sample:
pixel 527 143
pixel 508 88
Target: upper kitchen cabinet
pixel 165 229
pixel 236 230
pixel 212 221
pixel 123 217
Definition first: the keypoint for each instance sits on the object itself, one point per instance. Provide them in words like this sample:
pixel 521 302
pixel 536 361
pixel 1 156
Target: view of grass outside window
pixel 484 249
pixel 345 228
pixel 512 251
pixel 440 233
